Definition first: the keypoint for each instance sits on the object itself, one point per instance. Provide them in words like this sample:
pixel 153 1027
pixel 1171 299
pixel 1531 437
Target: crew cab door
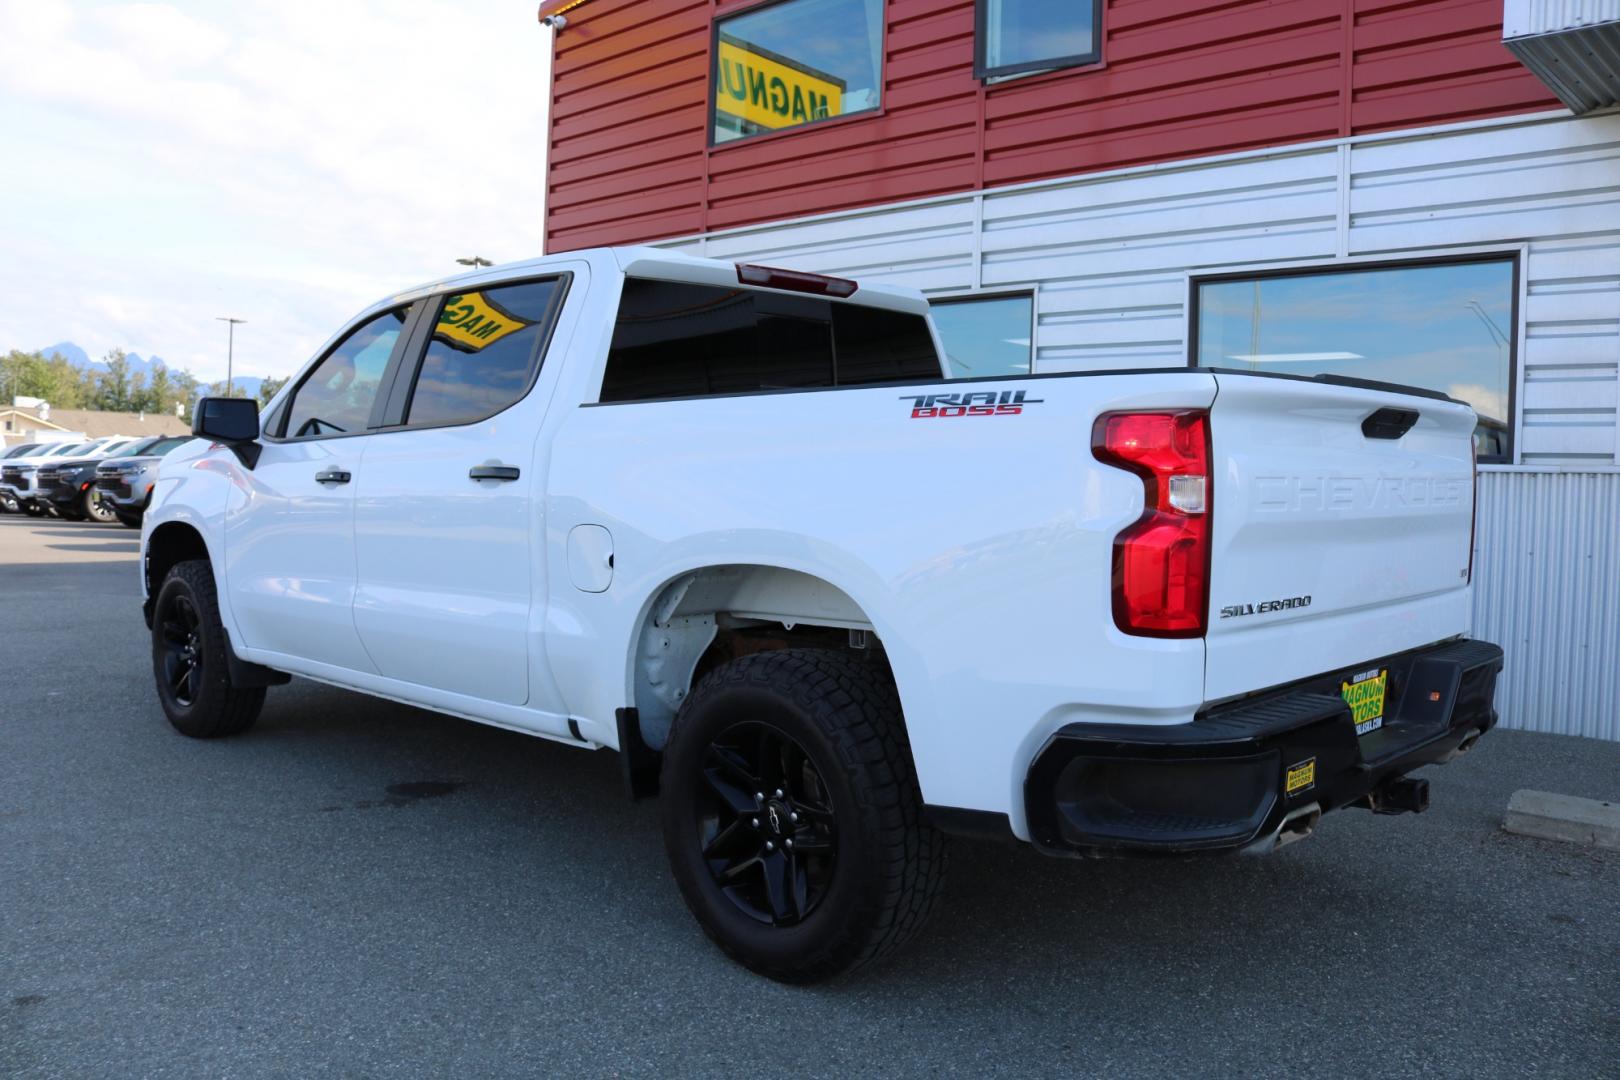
pixel 289 529
pixel 449 500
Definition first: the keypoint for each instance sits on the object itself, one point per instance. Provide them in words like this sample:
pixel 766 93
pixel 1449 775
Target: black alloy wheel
pixel 181 628
pixel 792 816
pixel 766 824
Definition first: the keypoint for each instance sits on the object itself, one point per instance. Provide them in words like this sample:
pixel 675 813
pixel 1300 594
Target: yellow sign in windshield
pixel 472 321
pixel 772 91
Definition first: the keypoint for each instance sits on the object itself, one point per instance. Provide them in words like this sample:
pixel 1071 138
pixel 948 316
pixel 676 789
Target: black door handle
pixel 331 476
pixel 493 472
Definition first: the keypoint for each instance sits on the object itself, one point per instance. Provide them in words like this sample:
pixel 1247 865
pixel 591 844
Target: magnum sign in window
pixel 483 353
pixel 794 63
pixel 1446 326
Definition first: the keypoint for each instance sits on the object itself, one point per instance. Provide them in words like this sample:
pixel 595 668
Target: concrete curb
pixel 1548 816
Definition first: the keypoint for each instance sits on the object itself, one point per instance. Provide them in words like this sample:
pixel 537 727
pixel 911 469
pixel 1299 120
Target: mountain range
pixel 76 356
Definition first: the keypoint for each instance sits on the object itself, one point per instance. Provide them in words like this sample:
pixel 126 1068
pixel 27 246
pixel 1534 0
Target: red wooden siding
pixel 629 158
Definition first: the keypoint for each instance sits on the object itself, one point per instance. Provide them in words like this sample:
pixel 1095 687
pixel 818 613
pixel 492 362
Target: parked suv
pixel 124 481
pixel 8 500
pixel 734 523
pixel 19 477
pixel 66 485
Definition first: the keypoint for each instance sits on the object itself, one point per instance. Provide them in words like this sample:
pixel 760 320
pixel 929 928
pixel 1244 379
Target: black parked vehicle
pixel 69 486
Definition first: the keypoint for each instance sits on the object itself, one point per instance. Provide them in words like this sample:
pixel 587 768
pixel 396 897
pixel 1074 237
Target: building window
pixel 1441 325
pixel 987 335
pixel 1014 36
pixel 794 63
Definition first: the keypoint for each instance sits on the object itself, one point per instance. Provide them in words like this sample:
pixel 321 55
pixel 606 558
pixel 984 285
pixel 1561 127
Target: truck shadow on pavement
pixel 1367 899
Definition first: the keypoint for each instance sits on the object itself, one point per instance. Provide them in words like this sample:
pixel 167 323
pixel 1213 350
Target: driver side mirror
pixel 232 421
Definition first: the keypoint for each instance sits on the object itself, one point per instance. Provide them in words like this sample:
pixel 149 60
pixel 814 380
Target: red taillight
pixel 795 280
pixel 1161 562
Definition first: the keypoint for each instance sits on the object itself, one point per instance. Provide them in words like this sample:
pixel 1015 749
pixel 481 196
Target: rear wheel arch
pixel 705 616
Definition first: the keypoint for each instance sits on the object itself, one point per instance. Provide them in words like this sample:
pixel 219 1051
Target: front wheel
pixel 189 652
pixel 792 816
pixel 92 507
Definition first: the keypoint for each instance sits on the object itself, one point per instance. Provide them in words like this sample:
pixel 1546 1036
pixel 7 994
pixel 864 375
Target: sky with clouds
pixel 286 162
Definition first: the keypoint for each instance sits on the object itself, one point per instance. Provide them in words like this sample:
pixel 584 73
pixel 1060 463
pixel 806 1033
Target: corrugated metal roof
pixel 1547 589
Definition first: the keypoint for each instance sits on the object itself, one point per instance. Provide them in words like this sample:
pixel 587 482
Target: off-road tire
pixel 888 867
pixel 208 706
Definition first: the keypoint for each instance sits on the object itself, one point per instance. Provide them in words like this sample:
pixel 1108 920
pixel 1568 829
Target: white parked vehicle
pixel 732 522
pixel 20 478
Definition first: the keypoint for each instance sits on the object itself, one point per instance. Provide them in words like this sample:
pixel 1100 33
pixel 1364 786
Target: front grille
pixel 113 484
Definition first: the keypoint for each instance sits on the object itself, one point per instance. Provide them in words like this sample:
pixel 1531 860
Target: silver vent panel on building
pixel 1573 46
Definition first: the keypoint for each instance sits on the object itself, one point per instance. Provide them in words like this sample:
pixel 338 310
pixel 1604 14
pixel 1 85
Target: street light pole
pixel 230 351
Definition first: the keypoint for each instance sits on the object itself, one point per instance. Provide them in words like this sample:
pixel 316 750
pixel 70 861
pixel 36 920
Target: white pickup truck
pixel 732 522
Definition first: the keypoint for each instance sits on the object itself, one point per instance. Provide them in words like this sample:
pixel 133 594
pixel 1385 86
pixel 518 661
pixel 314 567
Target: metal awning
pixel 1573 46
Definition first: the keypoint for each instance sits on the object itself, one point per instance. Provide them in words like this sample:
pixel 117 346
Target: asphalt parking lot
pixel 359 888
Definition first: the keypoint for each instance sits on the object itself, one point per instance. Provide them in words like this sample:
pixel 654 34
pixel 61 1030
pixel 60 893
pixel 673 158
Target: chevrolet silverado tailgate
pixel 1343 520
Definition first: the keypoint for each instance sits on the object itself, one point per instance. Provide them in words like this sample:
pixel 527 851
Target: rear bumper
pixel 1255 773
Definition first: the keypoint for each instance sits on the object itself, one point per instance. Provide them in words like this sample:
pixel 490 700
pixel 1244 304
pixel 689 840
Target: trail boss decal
pixel 974 403
pixel 1264 607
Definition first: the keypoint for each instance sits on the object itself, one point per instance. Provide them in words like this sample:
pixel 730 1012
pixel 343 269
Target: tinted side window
pixel 875 345
pixel 674 339
pixel 337 395
pixel 483 353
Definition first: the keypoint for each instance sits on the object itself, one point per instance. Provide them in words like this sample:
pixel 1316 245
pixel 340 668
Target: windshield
pixel 163 446
pixel 19 451
pixel 68 450
pixel 134 449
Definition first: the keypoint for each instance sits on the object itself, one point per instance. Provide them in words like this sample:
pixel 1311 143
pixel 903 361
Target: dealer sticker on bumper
pixel 1364 693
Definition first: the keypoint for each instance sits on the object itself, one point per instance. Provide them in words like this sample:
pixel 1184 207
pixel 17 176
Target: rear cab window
pixel 681 340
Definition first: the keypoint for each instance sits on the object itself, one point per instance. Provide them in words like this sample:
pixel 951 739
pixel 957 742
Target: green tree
pixel 269 388
pixel 112 385
pixel 160 391
pixel 31 374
